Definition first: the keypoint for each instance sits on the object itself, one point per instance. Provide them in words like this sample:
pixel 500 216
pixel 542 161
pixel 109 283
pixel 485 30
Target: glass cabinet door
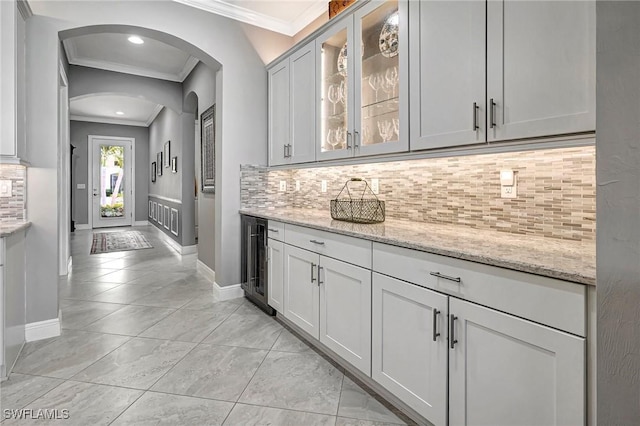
pixel 381 86
pixel 336 86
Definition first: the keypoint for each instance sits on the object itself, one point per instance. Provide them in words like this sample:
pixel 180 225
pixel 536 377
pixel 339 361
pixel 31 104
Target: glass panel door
pixel 335 93
pixel 381 72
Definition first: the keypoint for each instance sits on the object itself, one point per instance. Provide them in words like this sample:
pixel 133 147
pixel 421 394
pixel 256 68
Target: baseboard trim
pixel 42 330
pixel 227 292
pixel 206 271
pixel 82 227
pixel 141 223
pixel 176 246
pixel 189 249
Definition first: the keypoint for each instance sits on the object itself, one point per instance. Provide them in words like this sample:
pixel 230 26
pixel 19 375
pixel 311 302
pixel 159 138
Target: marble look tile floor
pixel 145 342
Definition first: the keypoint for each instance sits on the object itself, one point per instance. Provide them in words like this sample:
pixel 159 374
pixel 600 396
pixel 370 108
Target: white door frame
pixel 132 179
pixel 64 174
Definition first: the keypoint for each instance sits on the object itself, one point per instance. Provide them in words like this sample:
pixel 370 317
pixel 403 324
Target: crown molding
pixel 121 122
pixel 239 13
pixel 74 59
pixel 25 9
pixel 153 115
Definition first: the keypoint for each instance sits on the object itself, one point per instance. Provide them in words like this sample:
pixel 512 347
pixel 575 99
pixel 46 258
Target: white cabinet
pixel 275 280
pixel 301 292
pixel 447 73
pixel 540 68
pixel 292 103
pixel 410 345
pixel 507 371
pixel 345 311
pixel 279 120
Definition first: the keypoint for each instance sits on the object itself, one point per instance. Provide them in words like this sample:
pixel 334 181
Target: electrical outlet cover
pixel 5 188
pixel 283 186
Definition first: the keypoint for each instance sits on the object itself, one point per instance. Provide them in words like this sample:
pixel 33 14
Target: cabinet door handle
pixel 273 230
pixel 452 331
pixel 348 139
pixel 317 242
pixel 475 116
pixel 492 113
pixel 320 268
pixel 435 327
pixel 356 137
pixel 445 277
pixel 313 266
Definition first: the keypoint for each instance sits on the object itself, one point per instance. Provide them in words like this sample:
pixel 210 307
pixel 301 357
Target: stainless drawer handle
pixel 492 112
pixel 445 277
pixel 452 331
pixel 313 279
pixel 320 268
pixel 475 116
pixel 435 319
pixel 273 230
pixel 317 242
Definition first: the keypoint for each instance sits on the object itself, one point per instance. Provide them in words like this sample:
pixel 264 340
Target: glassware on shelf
pixel 385 128
pixel 396 127
pixel 391 76
pixel 342 90
pixel 333 94
pixel 376 81
pixel 340 138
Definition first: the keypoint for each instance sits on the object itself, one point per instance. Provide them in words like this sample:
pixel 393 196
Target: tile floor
pixel 145 342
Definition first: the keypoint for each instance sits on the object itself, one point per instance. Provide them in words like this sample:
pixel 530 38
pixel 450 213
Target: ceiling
pixel 102 109
pixel 286 17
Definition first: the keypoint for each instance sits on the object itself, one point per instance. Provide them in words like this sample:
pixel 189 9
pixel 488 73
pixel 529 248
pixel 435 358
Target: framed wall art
pixel 174 165
pixel 167 153
pixel 208 154
pixel 153 171
pixel 159 160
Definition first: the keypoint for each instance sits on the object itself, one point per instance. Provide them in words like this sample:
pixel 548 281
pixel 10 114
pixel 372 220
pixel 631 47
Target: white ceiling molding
pixel 105 120
pixel 239 13
pixel 25 9
pixel 153 115
pixel 74 59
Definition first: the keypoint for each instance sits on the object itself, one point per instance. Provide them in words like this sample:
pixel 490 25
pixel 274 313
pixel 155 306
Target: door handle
pixel 435 326
pixel 356 138
pixel 320 268
pixel 317 242
pixel 446 277
pixel 475 116
pixel 313 266
pixel 452 331
pixel 492 107
pixel 348 139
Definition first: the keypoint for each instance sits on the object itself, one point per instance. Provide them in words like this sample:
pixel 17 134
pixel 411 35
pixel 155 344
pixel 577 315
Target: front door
pixel 112 181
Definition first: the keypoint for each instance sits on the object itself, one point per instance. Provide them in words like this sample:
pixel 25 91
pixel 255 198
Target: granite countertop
pixel 8 228
pixel 562 259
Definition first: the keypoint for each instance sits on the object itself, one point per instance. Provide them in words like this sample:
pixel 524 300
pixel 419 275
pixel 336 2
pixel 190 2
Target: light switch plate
pixel 5 188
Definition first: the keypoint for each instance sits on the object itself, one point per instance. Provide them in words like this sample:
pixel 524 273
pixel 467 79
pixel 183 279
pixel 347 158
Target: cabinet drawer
pixel 552 302
pixel 275 230
pixel 341 247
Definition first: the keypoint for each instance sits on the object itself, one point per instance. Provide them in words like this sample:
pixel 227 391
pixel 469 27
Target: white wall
pixel 202 82
pixel 618 212
pixel 241 94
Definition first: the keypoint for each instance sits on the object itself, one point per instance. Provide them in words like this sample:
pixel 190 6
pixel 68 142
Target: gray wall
pixel 202 82
pixel 166 127
pixel 80 131
pixel 618 212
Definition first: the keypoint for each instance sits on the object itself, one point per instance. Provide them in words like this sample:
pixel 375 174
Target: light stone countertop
pixel 562 259
pixel 8 228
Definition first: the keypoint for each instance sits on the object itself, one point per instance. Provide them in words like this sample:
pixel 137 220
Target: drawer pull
pixel 313 279
pixel 435 319
pixel 446 277
pixel 317 242
pixel 452 331
pixel 273 230
pixel 320 268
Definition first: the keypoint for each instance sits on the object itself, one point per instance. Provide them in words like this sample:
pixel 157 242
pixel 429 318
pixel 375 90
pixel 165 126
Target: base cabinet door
pixel 345 311
pixel 275 280
pixel 505 370
pixel 301 291
pixel 410 345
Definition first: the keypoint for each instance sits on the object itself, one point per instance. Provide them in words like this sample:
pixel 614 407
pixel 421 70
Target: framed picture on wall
pixel 167 153
pixel 208 154
pixel 174 165
pixel 153 171
pixel 159 159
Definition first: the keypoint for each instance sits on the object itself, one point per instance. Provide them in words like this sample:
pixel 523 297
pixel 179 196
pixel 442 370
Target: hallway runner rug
pixel 106 242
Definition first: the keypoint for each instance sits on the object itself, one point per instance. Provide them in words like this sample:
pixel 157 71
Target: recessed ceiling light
pixel 135 39
pixel 119 113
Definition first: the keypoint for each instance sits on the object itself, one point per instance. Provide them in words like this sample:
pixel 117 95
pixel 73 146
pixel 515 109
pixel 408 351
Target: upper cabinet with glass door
pixel 363 83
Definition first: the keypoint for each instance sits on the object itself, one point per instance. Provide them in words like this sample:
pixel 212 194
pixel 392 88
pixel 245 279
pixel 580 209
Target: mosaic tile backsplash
pixel 12 208
pixel 556 190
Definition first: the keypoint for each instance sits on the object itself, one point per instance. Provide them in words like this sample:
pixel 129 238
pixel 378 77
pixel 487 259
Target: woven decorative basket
pixel 358 210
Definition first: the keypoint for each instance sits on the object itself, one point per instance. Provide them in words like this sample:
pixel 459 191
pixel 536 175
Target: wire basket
pixel 362 210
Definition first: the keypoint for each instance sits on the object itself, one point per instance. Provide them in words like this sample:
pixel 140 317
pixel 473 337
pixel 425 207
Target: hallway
pixel 145 342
